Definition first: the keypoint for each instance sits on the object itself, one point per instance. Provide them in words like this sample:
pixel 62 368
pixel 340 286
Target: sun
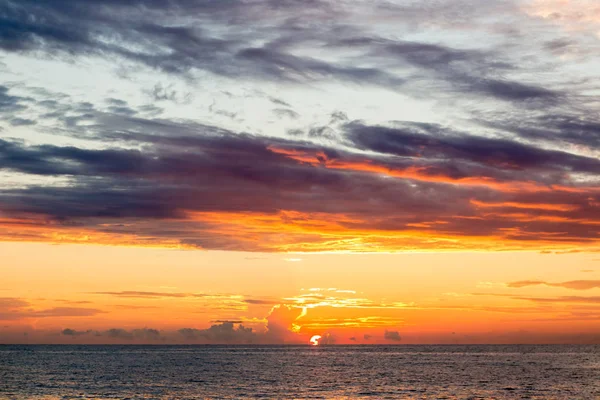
pixel 315 340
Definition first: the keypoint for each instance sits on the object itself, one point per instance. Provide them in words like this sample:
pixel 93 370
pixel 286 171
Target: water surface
pixel 338 372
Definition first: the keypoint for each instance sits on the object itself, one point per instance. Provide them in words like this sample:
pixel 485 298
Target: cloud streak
pixel 118 193
pixel 12 309
pixel 575 285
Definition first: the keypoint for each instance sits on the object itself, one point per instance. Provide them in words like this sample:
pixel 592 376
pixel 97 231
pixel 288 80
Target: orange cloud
pixel 320 159
pixel 576 285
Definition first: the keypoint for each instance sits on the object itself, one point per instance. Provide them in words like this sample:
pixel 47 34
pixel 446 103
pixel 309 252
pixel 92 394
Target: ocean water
pixel 287 372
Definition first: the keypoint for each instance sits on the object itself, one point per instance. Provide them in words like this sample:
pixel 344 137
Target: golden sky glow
pixel 103 294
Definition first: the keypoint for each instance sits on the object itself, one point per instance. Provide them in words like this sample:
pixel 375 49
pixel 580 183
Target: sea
pixel 300 372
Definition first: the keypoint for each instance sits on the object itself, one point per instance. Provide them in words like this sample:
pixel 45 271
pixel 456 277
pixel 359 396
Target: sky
pixel 262 171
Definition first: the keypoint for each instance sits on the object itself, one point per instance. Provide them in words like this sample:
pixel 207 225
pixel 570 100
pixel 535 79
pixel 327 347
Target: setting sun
pixel 315 340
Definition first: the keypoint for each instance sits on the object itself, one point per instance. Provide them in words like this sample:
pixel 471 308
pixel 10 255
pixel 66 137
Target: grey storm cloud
pixel 436 142
pixel 80 28
pixel 562 126
pixel 181 167
pixel 144 177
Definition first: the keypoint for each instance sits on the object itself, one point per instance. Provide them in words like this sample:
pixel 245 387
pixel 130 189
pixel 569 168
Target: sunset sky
pixel 262 171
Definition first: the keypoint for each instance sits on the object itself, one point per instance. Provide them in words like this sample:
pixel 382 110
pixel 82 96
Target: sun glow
pixel 315 340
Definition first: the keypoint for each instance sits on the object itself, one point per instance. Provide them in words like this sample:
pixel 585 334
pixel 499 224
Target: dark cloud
pixel 187 168
pixel 147 334
pixel 222 39
pixel 399 177
pixel 118 333
pixel 10 103
pixel 435 142
pixel 143 334
pixel 21 122
pixel 224 333
pixel 79 28
pixel 392 335
pixel 466 71
pixel 72 332
pixel 273 64
pixel 579 127
pixel 261 301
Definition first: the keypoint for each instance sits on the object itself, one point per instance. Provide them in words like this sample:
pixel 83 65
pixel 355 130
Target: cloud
pixel 562 299
pixel 228 322
pixel 10 103
pixel 74 302
pixel 224 332
pixel 116 193
pixel 118 333
pixel 394 336
pixel 261 301
pixel 367 337
pixel 32 27
pixel 148 295
pixel 167 37
pixel 11 303
pixel 285 112
pixel 132 307
pixel 72 332
pixel 578 15
pixel 147 333
pixel 544 300
pixel 434 141
pixel 142 334
pixel 17 309
pixel 21 122
pixel 63 312
pixel 281 323
pixel 563 126
pixel 517 144
pixel 576 285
